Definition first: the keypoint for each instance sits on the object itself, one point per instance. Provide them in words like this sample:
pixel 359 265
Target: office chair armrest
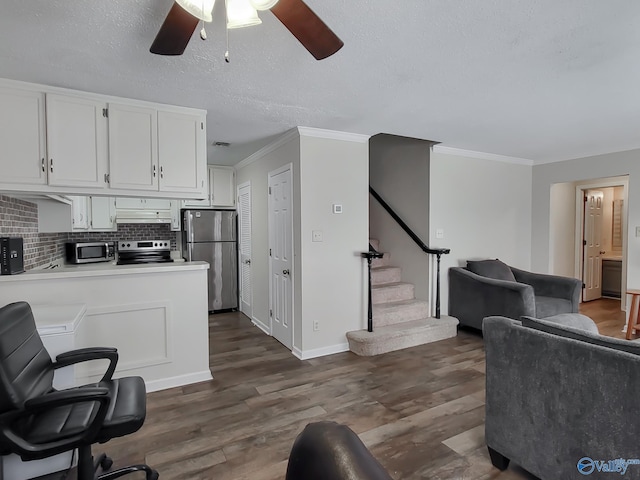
pixel 49 401
pixel 66 397
pixel 86 354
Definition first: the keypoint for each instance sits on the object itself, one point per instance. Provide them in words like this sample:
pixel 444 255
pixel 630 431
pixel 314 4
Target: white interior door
pixel 593 251
pixel 281 255
pixel 244 247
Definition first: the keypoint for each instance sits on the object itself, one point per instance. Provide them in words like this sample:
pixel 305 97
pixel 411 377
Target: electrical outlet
pixel 316 326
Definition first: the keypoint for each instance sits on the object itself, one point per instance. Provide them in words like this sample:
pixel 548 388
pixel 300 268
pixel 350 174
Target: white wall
pixel 329 276
pixel 333 274
pixel 584 171
pixel 257 173
pixel 562 220
pixel 399 172
pixel 484 208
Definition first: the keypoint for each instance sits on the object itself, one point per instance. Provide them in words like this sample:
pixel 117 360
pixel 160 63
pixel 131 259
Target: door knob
pixel 247 262
pixel 285 272
pixel 602 252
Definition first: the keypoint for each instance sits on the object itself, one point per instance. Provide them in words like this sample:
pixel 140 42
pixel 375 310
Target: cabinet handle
pixel 161 172
pixel 43 168
pixel 51 165
pixel 154 171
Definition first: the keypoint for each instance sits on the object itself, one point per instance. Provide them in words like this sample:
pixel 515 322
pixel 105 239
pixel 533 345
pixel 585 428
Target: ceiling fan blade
pixel 307 27
pixel 175 32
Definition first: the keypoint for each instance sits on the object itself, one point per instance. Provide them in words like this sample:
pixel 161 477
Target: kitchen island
pixel 156 315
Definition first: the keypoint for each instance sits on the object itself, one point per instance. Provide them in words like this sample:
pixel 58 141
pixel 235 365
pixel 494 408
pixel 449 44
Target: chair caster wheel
pixel 153 475
pixel 106 463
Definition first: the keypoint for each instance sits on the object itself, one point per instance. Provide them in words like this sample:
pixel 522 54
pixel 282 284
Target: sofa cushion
pixel 581 335
pixel 548 306
pixel 574 320
pixel 492 269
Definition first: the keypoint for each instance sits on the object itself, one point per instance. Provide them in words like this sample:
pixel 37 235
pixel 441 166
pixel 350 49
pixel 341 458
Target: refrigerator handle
pixel 190 252
pixel 189 223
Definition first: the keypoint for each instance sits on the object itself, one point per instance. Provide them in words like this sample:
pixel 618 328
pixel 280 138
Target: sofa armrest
pixel 552 286
pixel 473 297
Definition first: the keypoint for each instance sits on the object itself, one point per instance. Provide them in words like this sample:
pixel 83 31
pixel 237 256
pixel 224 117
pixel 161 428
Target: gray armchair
pixel 560 399
pixel 491 287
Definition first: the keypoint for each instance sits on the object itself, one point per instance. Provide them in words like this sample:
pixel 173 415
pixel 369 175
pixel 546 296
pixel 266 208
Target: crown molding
pixel 485 156
pixel 333 134
pixel 267 149
pixel 301 132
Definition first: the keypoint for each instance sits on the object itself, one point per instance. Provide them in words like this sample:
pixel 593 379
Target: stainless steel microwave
pixel 90 252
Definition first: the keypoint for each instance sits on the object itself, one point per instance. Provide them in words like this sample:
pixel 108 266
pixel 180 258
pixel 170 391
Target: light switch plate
pixel 316 236
pixel 337 208
pixel 439 233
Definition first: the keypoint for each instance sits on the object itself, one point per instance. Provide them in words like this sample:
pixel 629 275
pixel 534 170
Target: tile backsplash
pixel 19 218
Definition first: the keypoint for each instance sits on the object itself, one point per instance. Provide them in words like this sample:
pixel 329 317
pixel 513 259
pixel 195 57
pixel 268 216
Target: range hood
pixel 143 216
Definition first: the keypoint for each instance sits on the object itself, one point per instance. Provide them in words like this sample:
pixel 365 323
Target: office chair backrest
pixel 25 365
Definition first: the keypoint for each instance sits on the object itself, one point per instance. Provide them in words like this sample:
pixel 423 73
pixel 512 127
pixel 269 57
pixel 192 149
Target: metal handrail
pixel 438 252
pixel 370 255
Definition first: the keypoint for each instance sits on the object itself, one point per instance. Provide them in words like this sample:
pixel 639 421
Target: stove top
pixel 144 251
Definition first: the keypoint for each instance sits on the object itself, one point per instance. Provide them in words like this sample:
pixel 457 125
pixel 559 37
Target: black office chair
pixel 37 421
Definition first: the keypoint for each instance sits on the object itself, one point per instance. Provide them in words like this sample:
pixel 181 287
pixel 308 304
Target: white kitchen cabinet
pixel 223 186
pixel 205 203
pixel 22 137
pixel 57 141
pixel 175 216
pixel 103 213
pixel 91 214
pixel 79 213
pixel 76 141
pixel 133 147
pixel 181 152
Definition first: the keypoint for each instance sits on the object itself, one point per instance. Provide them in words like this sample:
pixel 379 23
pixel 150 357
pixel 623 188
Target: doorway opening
pixel 588 236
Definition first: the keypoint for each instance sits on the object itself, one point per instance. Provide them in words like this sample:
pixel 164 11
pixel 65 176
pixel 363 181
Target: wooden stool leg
pixel 633 315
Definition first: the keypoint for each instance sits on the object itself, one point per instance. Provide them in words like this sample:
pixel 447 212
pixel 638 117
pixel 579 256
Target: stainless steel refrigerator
pixel 210 235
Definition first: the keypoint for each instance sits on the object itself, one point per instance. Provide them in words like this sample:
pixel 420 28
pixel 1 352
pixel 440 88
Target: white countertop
pixel 103 269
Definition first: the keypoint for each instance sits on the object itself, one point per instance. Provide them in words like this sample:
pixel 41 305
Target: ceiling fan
pixel 302 22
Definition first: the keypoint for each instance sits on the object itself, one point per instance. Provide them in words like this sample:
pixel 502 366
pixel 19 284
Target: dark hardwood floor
pixel 607 315
pixel 420 410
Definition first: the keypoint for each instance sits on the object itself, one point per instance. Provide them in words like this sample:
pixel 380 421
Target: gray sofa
pixel 559 396
pixel 491 287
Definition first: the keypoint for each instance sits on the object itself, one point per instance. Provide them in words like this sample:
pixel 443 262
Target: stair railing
pixel 438 252
pixel 370 255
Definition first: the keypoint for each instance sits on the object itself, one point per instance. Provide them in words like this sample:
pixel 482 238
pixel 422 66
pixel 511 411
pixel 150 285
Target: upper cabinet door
pixel 182 152
pixel 223 188
pixel 80 216
pixel 22 137
pixel 103 213
pixel 76 141
pixel 133 147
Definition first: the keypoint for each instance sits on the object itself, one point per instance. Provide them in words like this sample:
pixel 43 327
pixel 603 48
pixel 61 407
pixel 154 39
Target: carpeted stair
pixel 399 319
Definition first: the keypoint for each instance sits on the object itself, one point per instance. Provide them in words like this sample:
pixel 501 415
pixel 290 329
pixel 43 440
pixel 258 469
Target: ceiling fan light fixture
pixel 263 4
pixel 198 8
pixel 241 14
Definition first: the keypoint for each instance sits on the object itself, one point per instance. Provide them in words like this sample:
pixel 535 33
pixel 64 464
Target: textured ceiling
pixel 535 79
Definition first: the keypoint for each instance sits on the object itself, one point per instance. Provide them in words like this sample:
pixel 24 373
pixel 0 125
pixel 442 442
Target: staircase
pixel 399 319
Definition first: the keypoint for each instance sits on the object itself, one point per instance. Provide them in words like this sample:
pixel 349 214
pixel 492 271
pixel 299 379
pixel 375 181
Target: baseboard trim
pixel 180 380
pixel 261 325
pixel 320 352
